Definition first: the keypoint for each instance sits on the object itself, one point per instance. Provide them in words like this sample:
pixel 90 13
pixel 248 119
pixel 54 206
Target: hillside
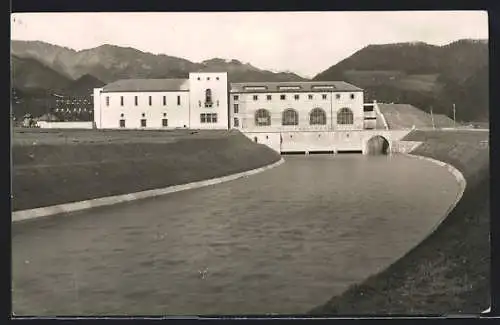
pixel 110 63
pixel 245 72
pixel 404 116
pixel 39 67
pixel 83 85
pixel 422 75
pixel 29 75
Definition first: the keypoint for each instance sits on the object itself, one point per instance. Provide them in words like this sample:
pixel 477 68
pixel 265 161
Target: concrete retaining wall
pixel 310 141
pixel 24 215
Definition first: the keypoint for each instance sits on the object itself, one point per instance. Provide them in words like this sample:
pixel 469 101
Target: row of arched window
pixel 317 116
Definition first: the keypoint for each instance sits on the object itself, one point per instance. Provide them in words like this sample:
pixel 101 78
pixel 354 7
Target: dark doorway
pixel 377 145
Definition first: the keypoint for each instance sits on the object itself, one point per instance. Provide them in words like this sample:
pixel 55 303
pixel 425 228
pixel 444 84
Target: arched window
pixel 262 117
pixel 208 98
pixel 317 117
pixel 345 116
pixel 290 117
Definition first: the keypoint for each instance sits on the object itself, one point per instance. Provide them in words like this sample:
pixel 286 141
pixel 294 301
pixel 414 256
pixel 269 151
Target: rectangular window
pixel 337 96
pixel 236 122
pixel 164 122
pixel 164 100
pixel 143 122
pixel 236 108
pixel 255 87
pixel 150 101
pixel 296 97
pixel 282 97
pixel 121 100
pixel 352 96
pixel 323 96
pixel 288 87
pixel 323 87
pixel 310 96
pixel 122 123
pixel 269 97
pixel 136 100
pixel 255 97
pixel 208 118
pixel 236 97
pixel 178 100
pixel 107 100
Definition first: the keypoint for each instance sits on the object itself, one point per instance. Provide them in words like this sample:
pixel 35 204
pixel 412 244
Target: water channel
pixel 282 241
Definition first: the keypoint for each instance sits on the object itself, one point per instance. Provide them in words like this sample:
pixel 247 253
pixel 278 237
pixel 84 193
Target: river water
pixel 283 241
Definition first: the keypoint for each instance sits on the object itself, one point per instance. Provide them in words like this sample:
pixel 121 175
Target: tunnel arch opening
pixel 377 145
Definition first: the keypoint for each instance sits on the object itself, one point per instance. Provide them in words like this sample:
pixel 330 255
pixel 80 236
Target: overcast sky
pixel 303 42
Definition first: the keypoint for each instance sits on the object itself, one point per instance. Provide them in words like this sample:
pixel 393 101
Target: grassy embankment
pixel 449 272
pixel 60 166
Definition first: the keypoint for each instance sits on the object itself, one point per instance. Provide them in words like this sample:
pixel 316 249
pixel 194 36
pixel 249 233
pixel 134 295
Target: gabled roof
pixel 125 85
pixel 292 86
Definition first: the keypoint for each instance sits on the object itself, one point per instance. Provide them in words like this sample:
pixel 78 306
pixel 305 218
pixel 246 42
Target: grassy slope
pixel 404 116
pixel 56 171
pixel 449 272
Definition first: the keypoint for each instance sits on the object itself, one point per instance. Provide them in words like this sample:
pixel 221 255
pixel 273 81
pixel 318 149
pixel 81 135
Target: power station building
pixel 206 100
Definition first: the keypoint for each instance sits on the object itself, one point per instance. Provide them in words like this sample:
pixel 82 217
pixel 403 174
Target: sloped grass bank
pixel 54 173
pixel 449 272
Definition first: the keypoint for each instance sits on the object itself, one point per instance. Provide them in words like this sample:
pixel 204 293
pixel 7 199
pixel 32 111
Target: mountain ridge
pixel 416 73
pixel 426 76
pixel 109 63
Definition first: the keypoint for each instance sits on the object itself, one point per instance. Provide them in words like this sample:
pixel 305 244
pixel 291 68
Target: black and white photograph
pixel 250 163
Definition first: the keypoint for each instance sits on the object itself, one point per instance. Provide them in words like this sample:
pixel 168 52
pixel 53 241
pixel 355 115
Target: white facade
pixel 216 84
pixel 243 115
pixel 163 104
pixel 112 107
pixel 206 100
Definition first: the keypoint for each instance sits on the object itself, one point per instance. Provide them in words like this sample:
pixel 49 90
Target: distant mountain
pixel 83 86
pixel 110 63
pixel 245 72
pixel 29 75
pixel 52 56
pixel 422 75
pixel 40 68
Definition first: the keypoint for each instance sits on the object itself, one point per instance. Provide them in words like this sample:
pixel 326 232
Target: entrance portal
pixel 377 145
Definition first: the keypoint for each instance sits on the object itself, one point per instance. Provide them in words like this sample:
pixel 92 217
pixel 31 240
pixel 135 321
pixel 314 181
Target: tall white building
pixel 206 100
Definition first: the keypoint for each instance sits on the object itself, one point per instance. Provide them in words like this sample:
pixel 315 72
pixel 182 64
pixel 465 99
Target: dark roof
pixel 295 86
pixel 147 85
pixel 126 85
